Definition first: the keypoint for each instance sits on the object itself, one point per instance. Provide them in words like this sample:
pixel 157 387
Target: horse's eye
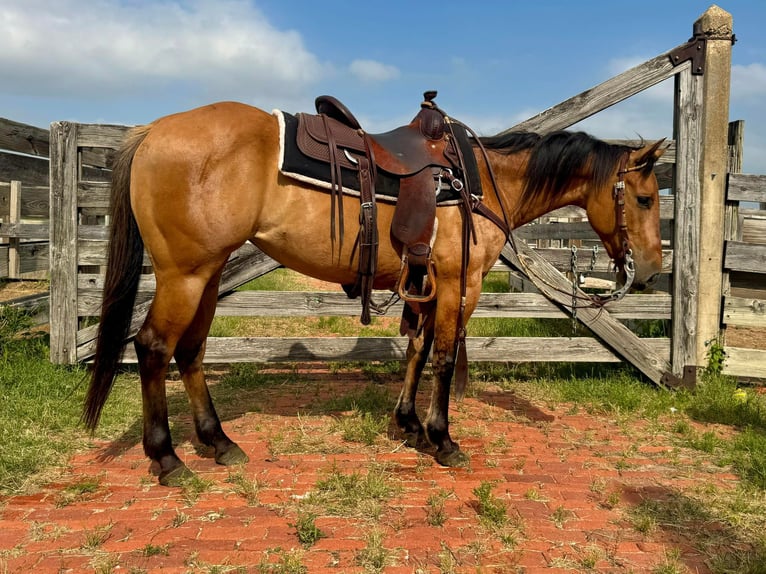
pixel 644 202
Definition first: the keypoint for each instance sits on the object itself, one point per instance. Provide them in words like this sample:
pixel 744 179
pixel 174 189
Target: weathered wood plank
pixel 24 230
pixel 34 201
pixel 750 363
pixel 94 194
pixel 746 187
pixel 744 312
pixel 483 349
pixel 686 237
pixel 754 230
pixel 33 257
pixel 30 170
pixel 337 304
pixel 101 135
pixel 606 94
pixel 749 257
pixel 571 230
pixel 23 138
pixel 63 237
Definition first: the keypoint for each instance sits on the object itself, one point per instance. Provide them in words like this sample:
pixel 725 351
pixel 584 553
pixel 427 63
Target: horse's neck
pixel 509 173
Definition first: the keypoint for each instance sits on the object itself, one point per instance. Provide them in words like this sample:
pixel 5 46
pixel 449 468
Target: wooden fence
pixel 78 247
pixel 24 205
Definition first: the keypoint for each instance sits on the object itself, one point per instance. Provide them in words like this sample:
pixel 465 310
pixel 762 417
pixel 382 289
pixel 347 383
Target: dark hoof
pixel 177 477
pixel 453 459
pixel 231 457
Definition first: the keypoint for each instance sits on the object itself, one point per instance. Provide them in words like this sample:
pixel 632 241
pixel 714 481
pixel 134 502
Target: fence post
pixel 716 24
pixel 64 168
pixel 14 217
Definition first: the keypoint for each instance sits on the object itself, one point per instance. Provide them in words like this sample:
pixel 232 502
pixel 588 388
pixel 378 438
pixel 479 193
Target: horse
pixel 192 187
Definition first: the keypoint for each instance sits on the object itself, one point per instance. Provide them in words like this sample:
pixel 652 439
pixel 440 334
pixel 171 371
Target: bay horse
pixel 192 187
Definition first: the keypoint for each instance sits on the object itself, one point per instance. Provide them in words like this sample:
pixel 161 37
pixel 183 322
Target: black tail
pixel 123 270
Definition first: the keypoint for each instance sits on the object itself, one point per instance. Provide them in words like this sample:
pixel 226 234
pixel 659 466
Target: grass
pixel 362 495
pixel 40 419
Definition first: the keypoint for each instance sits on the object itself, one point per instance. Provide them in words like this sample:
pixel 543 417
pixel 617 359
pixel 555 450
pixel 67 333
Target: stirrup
pixel 404 274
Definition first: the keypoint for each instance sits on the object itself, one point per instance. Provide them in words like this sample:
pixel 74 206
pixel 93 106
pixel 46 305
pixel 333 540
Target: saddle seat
pixel 402 151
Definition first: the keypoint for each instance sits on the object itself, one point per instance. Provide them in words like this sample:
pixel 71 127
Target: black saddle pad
pixel 295 164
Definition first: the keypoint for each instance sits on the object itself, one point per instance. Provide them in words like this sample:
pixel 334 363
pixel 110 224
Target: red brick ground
pixel 586 471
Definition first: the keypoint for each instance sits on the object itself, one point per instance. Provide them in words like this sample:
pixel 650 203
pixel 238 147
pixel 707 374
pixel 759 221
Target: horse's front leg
pixel 417 355
pixel 448 451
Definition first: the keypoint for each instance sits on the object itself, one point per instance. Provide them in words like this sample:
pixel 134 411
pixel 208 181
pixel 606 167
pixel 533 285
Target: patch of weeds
pixel 353 494
pixel 671 563
pixel 306 529
pixel 590 557
pixel 612 500
pixel 245 487
pixel 362 427
pixel 706 441
pixel 154 550
pixel 560 516
pixel 179 519
pixel 94 539
pixel 193 487
pixel 278 561
pixel 491 510
pixel 374 557
pixel 448 561
pixel 534 495
pixel 40 531
pixel 435 514
pixel 77 492
pixel 105 563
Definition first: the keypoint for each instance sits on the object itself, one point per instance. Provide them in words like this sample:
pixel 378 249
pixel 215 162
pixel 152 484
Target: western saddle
pixel 433 151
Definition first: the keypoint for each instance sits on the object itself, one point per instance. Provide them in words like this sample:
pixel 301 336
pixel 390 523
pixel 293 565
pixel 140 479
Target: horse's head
pixel 626 216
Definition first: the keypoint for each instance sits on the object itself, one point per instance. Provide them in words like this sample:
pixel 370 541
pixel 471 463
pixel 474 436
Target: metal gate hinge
pixel 693 50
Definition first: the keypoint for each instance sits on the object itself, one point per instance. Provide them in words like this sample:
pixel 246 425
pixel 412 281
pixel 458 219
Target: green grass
pixel 355 494
pixel 40 419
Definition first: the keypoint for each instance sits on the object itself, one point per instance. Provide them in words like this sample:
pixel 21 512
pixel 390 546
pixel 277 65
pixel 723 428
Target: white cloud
pixel 748 81
pixel 373 71
pixel 222 48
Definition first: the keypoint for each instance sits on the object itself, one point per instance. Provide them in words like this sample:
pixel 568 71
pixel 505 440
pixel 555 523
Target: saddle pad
pixel 296 165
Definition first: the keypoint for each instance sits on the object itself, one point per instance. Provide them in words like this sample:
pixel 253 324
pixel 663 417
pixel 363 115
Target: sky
pixel 494 63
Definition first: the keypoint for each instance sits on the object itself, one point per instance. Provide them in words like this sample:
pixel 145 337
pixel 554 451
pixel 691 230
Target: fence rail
pixel 744 296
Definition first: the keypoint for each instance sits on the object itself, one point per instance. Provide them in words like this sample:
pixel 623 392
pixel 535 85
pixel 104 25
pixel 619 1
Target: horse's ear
pixel 651 154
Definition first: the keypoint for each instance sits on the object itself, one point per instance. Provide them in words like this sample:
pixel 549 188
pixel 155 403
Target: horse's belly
pixel 318 259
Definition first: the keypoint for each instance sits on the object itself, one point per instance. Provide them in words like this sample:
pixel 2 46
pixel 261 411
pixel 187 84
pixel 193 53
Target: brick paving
pixel 566 478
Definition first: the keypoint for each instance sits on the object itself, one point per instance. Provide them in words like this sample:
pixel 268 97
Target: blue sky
pixel 494 63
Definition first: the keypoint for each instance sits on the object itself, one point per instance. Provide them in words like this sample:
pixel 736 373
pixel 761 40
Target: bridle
pixel 626 253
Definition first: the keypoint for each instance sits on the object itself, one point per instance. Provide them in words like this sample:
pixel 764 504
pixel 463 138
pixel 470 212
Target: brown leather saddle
pixel 417 154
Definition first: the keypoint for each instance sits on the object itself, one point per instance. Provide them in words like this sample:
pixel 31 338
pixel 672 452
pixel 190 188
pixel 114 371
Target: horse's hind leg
pixel 173 310
pixel 189 354
pixel 417 356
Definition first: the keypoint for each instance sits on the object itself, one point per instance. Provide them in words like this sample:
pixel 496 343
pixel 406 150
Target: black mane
pixel 557 158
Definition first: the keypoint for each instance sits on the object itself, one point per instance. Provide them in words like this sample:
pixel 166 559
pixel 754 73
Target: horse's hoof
pixel 177 477
pixel 233 456
pixel 454 459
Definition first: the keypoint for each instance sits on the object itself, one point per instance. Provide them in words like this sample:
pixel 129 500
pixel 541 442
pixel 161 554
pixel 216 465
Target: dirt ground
pixel 569 482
